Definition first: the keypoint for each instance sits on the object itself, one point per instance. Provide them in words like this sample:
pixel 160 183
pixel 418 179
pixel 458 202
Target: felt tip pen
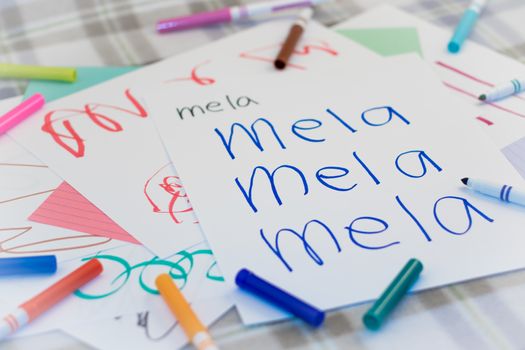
pixel 231 14
pixel 181 309
pixel 295 33
pixel 465 25
pixel 503 90
pixel 37 305
pixel 504 193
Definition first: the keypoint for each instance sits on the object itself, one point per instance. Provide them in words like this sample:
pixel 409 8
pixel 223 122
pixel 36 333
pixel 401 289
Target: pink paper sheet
pixel 67 208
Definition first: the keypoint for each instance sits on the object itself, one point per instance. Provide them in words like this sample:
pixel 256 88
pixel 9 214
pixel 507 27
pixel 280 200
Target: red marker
pixel 32 308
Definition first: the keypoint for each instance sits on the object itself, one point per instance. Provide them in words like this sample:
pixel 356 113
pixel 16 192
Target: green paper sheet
pixel 386 41
pixel 86 77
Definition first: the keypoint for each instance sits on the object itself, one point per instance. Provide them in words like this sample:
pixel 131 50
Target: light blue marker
pixel 504 193
pixel 465 25
pixel 503 90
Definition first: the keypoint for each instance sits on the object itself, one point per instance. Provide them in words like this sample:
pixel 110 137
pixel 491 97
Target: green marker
pixel 375 316
pixel 21 71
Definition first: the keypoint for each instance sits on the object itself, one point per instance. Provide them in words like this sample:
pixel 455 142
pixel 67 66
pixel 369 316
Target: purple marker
pixel 231 14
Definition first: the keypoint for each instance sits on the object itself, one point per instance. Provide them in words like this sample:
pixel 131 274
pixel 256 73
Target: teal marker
pixel 465 25
pixel 373 319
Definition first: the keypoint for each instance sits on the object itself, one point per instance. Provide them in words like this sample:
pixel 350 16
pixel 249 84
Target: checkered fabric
pixel 483 314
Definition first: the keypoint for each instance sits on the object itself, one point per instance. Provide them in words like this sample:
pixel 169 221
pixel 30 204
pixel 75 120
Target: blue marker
pixel 465 25
pixel 504 193
pixel 29 265
pixel 248 281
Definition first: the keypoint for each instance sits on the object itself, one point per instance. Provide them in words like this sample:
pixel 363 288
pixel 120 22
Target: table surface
pixel 482 314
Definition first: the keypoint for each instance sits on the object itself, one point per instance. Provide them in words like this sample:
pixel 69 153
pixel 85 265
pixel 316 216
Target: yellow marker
pixel 21 71
pixel 192 326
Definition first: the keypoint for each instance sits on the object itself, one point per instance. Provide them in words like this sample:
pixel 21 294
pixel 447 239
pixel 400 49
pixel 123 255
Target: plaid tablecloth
pixel 482 314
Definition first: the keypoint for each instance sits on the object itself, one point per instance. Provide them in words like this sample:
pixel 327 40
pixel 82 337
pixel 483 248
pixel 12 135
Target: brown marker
pixel 293 37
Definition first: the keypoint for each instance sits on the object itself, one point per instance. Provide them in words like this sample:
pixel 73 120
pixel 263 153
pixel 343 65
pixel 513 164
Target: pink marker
pixel 231 14
pixel 21 112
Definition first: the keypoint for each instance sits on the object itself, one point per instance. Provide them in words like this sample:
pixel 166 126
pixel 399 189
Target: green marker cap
pixel 374 317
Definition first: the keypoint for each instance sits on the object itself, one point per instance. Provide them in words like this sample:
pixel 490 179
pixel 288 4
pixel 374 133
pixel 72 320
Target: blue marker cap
pixel 44 264
pixel 248 281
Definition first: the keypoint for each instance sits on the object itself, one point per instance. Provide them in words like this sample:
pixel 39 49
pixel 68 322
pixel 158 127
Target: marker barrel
pixel 293 37
pixel 22 71
pixel 181 309
pixel 504 193
pixel 373 319
pixel 45 264
pixel 42 302
pixel 465 25
pixel 504 90
pixel 21 112
pixel 248 281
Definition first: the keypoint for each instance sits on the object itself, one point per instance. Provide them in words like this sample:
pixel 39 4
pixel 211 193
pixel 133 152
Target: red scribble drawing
pixel 267 53
pixel 70 139
pixel 166 195
pixel 38 193
pixel 486 121
pixel 20 241
pixel 480 82
pixel 194 77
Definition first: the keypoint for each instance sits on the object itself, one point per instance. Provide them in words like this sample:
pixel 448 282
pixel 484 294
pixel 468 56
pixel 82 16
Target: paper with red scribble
pixel 166 195
pixel 67 208
pixel 103 143
pixel 195 77
pixel 311 47
pixel 24 184
pixel 100 118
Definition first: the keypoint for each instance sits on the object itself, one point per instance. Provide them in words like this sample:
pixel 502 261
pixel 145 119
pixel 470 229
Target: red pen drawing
pixel 479 81
pixel 20 241
pixel 166 195
pixel 484 120
pixel 69 138
pixel 267 53
pixel 194 77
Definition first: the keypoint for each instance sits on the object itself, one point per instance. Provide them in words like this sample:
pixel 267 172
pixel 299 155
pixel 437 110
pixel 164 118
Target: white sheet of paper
pixel 357 239
pixel 126 286
pixel 24 184
pixel 156 330
pixel 466 74
pixel 102 143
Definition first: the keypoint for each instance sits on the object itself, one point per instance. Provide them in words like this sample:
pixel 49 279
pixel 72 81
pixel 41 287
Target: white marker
pixel 504 193
pixel 504 90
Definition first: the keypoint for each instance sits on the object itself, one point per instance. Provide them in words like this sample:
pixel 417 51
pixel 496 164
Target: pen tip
pixel 279 64
pixel 482 97
pixel 464 180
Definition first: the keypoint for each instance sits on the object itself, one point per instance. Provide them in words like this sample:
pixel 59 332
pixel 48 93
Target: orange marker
pixel 32 308
pixel 192 326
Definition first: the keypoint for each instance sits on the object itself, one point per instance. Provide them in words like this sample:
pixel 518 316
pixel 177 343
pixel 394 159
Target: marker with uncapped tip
pixel 295 33
pixel 21 112
pixel 181 309
pixel 504 193
pixel 250 282
pixel 42 302
pixel 465 25
pixel 28 265
pixel 375 316
pixel 503 90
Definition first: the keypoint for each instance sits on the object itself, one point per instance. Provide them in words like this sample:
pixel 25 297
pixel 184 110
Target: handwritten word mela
pixel 412 163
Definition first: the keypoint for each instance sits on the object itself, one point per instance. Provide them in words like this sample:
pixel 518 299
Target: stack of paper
pixel 323 178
